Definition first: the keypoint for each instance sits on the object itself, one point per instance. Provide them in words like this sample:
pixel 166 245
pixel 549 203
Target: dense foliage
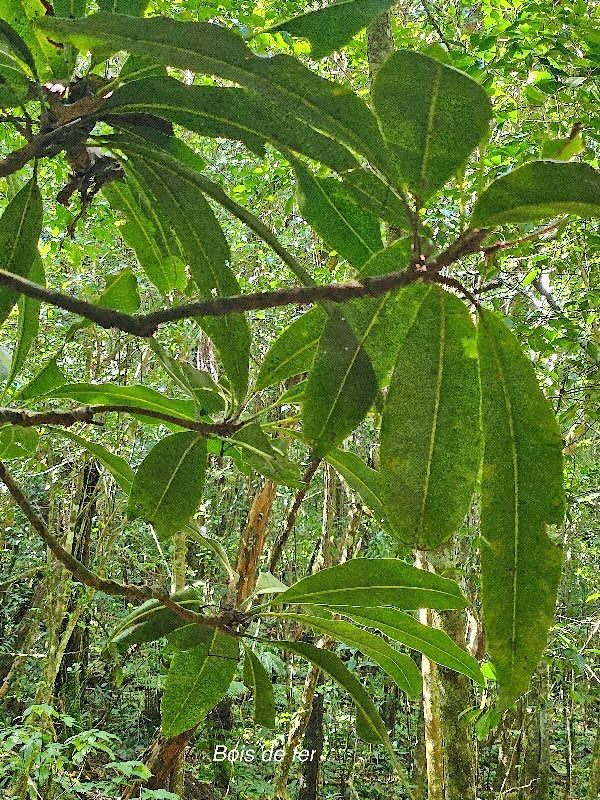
pixel 300 381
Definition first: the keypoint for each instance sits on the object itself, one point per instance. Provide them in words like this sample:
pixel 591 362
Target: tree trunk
pixel 313 742
pixel 594 784
pixel 535 774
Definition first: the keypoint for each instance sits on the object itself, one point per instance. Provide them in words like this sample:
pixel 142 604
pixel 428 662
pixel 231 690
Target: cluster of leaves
pixel 457 400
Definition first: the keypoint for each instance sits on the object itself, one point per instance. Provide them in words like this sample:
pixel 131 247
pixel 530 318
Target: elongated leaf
pixel 187 637
pixel 521 493
pixel 294 351
pixel 341 386
pixel 370 720
pixel 403 628
pixel 133 396
pixel 11 43
pixel 168 484
pixel 47 379
pixel 16 442
pixel 265 456
pixel 432 117
pixel 175 190
pixel 188 597
pixel 537 191
pixel 155 623
pixel 45 56
pixel 361 478
pixel 330 28
pixel 400 667
pixel 258 681
pixel 430 429
pixel 346 227
pixel 228 112
pixel 29 322
pixel 114 464
pixel 375 194
pixel 20 228
pixel 196 681
pixel 205 48
pixel 139 234
pixel 368 582
pixel 14 85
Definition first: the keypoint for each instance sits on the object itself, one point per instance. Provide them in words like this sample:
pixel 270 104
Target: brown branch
pixel 281 540
pixel 87 415
pixel 44 146
pixel 488 251
pixel 81 573
pixel 145 325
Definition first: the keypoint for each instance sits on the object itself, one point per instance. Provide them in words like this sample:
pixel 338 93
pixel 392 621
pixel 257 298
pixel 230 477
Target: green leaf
pixel 14 84
pixel 293 352
pixel 207 394
pixel 521 493
pixel 400 667
pixel 121 292
pixel 29 322
pixel 115 465
pixel 168 484
pixel 133 396
pixel 187 597
pixel 20 229
pixel 341 386
pixel 46 380
pixel 368 718
pixel 69 8
pixel 152 621
pixel 369 582
pixel 16 442
pixel 432 117
pixel 187 637
pixel 35 49
pixel 139 234
pixel 326 106
pixel 330 28
pixel 430 427
pixel 265 456
pixel 176 190
pixel 361 479
pixel 563 149
pixel 196 681
pixel 406 630
pixel 344 226
pixel 13 44
pixel 537 191
pixel 374 194
pixel 258 681
pixel 228 112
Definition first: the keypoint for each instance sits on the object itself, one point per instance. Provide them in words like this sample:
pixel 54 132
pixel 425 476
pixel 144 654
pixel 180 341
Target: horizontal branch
pixel 88 414
pixel 145 325
pixel 229 621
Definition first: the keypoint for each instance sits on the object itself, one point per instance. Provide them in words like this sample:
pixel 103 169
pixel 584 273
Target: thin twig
pixel 87 415
pixel 145 325
pixel 228 621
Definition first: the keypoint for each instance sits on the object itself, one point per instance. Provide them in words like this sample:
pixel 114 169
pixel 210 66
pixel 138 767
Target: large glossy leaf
pixel 211 49
pixel 361 478
pixel 45 380
pixel 406 630
pixel 196 681
pixel 175 192
pixel 45 56
pixel 432 117
pixel 330 28
pixel 29 320
pixel 430 428
pixel 139 234
pixel 341 386
pixel 14 84
pixel 114 464
pixel 293 352
pixel 168 484
pixel 369 582
pixel 352 231
pixel 400 667
pixel 133 396
pixel 537 191
pixel 521 493
pixel 368 718
pixel 20 228
pixel 228 112
pixel 258 681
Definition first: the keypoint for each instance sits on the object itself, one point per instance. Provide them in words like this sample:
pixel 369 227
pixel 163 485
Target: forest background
pixel 80 689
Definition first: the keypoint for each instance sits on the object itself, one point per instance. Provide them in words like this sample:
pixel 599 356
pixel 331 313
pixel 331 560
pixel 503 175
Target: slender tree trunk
pixel 594 783
pixel 313 742
pixel 535 774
